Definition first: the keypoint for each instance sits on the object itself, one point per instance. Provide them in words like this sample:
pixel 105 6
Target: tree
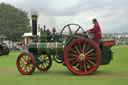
pixel 14 22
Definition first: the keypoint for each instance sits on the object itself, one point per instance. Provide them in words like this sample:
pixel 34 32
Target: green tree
pixel 14 22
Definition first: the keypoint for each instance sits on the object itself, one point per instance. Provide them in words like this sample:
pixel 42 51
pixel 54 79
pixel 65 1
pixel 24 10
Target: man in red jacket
pixel 97 32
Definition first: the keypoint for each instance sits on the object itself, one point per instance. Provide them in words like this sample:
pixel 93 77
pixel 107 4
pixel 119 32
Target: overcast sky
pixel 112 15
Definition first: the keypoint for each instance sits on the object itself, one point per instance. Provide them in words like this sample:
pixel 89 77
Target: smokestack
pixel 34 25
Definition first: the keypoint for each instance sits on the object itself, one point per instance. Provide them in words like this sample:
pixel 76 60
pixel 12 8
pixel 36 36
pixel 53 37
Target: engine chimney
pixel 34 25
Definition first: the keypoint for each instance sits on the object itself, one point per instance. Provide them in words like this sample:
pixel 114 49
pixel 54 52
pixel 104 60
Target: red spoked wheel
pixel 82 56
pixel 45 62
pixel 26 63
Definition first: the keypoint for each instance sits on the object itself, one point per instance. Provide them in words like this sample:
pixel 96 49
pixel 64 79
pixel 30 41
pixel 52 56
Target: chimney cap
pixel 34 12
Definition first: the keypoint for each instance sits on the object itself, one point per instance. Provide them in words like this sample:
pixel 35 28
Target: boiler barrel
pixel 49 48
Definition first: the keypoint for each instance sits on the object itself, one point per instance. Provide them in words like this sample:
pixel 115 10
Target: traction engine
pixel 72 47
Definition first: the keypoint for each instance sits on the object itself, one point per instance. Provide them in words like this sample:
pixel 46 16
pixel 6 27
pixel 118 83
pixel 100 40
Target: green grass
pixel 116 73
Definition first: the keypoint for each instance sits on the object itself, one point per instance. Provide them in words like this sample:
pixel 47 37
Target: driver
pixel 97 32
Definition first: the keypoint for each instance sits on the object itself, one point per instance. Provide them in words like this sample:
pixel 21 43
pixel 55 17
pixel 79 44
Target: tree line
pixel 14 22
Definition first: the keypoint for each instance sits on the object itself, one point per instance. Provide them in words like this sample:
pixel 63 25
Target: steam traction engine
pixel 72 47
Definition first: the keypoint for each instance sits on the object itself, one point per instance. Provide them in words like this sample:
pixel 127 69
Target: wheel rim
pixel 26 63
pixel 45 63
pixel 82 57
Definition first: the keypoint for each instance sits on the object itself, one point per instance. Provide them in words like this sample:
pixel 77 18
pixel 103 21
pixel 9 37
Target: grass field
pixel 116 73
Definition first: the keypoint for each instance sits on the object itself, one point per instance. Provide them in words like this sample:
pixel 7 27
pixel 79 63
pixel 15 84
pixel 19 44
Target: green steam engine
pixel 73 48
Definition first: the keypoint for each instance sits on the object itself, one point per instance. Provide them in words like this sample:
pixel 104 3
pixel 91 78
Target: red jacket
pixel 96 30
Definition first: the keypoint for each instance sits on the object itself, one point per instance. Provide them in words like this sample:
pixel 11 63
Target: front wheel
pixel 82 56
pixel 45 62
pixel 26 63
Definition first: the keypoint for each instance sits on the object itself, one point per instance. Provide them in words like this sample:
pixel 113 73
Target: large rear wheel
pixel 82 56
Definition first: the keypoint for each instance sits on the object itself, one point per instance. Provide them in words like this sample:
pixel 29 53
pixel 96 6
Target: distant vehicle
pixel 4 50
pixel 122 43
pixel 9 44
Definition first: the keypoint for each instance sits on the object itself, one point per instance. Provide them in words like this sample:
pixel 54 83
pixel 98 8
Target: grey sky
pixel 111 14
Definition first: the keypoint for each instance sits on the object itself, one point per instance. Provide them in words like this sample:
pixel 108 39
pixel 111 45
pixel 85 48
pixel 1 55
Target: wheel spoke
pixel 89 52
pixel 92 58
pixel 77 49
pixel 22 61
pixel 77 30
pixel 87 63
pixel 74 62
pixel 84 47
pixel 73 55
pixel 92 54
pixel 29 67
pixel 43 65
pixel 42 57
pixel 66 35
pixel 69 40
pixel 72 59
pixel 80 47
pixel 77 64
pixel 87 48
pixel 70 29
pixel 85 68
pixel 24 58
pixel 28 58
pixel 25 68
pixel 73 51
pixel 46 61
pixel 81 66
pixel 78 36
pixel 91 62
pixel 22 66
